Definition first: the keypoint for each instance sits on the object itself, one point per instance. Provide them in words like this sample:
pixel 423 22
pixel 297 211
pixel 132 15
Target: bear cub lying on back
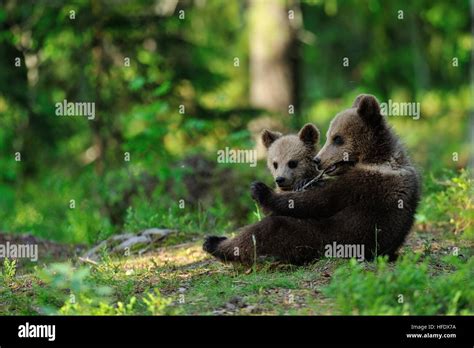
pixel 369 197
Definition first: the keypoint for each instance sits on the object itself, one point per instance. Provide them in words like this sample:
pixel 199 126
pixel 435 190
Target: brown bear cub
pixel 368 198
pixel 290 157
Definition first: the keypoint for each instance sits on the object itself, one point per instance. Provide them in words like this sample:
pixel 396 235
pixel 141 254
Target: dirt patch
pixel 47 251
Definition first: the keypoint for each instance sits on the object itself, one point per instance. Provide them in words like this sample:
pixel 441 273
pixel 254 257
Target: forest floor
pixel 182 279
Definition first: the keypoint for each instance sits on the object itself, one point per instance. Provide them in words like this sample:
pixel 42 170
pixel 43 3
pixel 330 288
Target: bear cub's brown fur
pixel 290 157
pixel 368 197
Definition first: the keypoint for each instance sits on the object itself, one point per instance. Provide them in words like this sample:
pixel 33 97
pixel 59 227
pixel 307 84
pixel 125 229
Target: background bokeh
pixel 232 68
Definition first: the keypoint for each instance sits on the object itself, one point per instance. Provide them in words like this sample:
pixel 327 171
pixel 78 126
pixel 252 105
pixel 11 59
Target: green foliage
pixel 157 305
pixel 404 288
pixel 68 290
pixel 168 214
pixel 257 213
pixel 449 204
pixel 180 96
pixel 8 271
pixel 72 288
pixel 409 53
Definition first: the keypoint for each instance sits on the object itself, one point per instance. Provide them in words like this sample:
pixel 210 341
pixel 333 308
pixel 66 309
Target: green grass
pixel 185 281
pixel 434 275
pixel 409 287
pixel 449 204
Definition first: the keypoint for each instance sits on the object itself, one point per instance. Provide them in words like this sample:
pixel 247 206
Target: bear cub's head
pixel 358 134
pixel 290 157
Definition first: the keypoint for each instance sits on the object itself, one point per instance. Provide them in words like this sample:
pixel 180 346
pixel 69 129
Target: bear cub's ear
pixel 309 134
pixel 368 108
pixel 268 137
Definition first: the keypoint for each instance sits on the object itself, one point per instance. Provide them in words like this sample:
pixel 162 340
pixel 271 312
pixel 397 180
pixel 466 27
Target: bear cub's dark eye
pixel 275 165
pixel 292 164
pixel 338 140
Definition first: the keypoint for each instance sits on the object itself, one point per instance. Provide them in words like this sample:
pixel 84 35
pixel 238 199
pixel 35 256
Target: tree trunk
pixel 272 45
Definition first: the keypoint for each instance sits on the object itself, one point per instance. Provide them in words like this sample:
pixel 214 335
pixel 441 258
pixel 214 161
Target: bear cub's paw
pixel 211 243
pixel 260 192
pixel 299 186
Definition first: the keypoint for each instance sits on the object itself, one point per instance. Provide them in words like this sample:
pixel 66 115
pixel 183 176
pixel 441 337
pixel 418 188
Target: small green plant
pixel 256 213
pixel 427 246
pixel 9 270
pixel 126 309
pixel 157 304
pixel 72 288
